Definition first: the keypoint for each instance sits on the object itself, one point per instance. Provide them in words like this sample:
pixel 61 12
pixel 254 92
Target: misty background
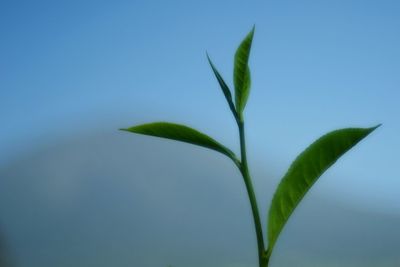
pixel 74 191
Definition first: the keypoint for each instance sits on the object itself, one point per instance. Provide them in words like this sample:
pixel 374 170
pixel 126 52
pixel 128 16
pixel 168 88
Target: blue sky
pixel 75 67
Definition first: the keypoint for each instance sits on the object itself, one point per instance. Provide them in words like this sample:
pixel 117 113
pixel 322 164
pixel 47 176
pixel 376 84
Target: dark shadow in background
pixel 114 200
pixel 5 254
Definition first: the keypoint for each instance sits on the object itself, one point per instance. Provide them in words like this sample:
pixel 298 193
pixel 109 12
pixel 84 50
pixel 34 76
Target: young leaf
pixel 305 171
pixel 181 133
pixel 224 87
pixel 241 73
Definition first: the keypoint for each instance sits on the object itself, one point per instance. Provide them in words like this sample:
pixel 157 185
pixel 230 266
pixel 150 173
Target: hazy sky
pixel 79 66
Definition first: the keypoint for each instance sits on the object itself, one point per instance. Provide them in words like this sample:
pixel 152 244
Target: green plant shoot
pixel 301 175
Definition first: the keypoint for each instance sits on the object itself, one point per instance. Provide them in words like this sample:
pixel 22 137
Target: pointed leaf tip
pixel 376 127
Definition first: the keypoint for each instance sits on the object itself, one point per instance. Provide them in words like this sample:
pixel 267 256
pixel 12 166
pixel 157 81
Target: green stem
pixel 262 259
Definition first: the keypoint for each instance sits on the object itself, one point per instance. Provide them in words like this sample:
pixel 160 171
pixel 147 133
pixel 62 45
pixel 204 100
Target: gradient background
pixel 74 191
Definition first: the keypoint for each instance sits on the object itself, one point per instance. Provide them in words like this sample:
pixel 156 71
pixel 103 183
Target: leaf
pixel 241 73
pixel 305 171
pixel 180 133
pixel 224 87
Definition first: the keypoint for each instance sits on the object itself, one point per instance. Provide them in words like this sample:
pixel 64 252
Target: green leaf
pixel 224 87
pixel 305 171
pixel 241 73
pixel 181 133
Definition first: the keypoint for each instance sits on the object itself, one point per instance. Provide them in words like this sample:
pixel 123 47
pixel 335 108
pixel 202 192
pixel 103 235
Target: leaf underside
pixel 305 171
pixel 225 89
pixel 241 73
pixel 180 133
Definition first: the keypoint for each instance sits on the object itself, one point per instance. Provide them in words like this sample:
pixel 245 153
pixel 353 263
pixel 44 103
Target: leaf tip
pixel 377 126
pixel 208 57
pixel 251 33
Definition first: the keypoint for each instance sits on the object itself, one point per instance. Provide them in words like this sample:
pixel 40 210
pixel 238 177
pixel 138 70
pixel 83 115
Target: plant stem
pixel 262 259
